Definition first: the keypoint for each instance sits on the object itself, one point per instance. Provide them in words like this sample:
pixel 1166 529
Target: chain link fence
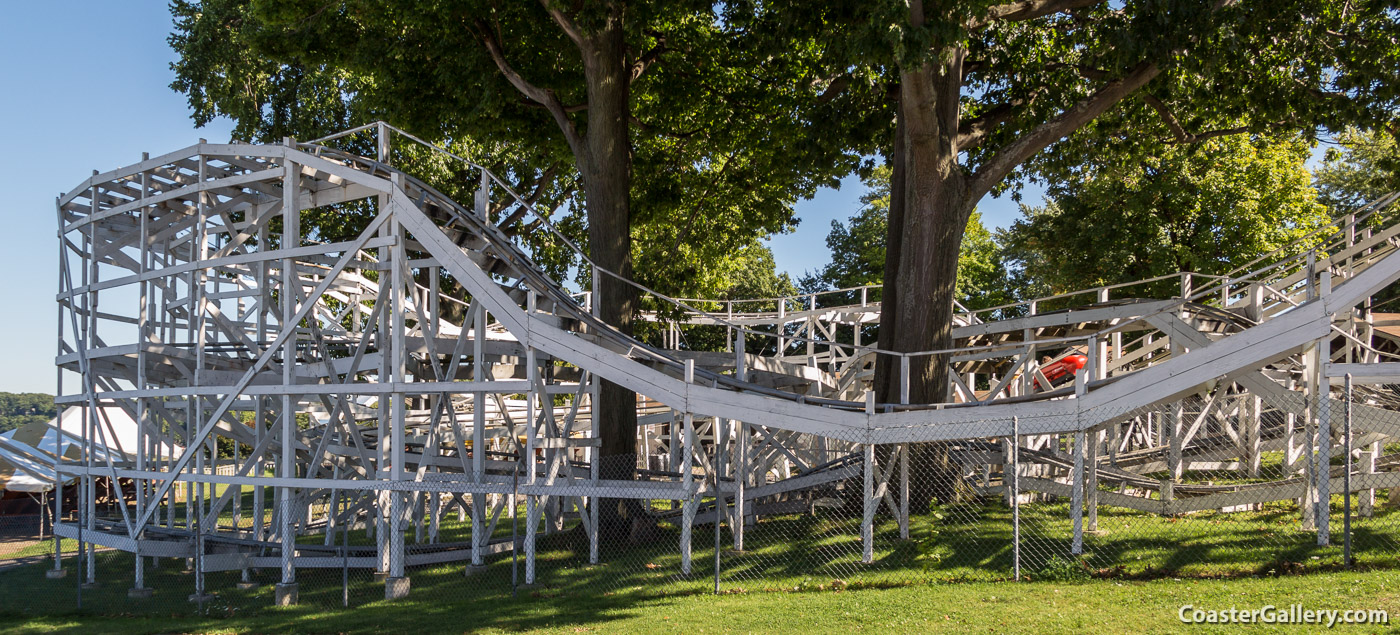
pixel 1221 483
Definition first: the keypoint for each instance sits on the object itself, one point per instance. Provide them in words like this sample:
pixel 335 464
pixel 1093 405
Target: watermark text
pixel 1291 614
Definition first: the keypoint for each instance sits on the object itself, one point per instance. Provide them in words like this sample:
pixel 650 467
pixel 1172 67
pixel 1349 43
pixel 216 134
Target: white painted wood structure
pixel 192 298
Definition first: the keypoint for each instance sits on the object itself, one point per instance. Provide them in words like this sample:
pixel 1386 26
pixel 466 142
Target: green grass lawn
pixel 797 572
pixel 41 548
pixel 1043 607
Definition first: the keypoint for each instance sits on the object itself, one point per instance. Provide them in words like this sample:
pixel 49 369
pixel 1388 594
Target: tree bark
pixel 935 216
pixel 603 154
pixel 886 368
pixel 939 197
pixel 607 182
pixel 936 207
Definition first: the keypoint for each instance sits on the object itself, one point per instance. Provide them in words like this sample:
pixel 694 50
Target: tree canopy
pixel 21 409
pixel 714 167
pixel 991 93
pixel 1363 167
pixel 677 131
pixel 1145 209
pixel 662 114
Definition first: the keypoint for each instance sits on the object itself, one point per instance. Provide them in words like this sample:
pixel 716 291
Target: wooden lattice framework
pixel 191 297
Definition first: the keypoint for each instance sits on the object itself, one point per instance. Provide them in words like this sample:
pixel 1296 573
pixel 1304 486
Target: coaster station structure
pixel 324 380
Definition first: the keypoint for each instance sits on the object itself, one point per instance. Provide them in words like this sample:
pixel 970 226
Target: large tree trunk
pixel 936 208
pixel 607 180
pixel 939 197
pixel 607 183
pixel 886 384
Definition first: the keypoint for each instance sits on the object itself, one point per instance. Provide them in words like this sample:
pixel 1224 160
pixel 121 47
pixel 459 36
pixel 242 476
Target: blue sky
pixel 87 87
pixel 805 250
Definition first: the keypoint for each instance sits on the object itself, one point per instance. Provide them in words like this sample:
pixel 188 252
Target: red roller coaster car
pixel 1062 370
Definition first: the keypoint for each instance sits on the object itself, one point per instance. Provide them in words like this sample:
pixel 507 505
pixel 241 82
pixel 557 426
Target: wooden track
pixel 192 297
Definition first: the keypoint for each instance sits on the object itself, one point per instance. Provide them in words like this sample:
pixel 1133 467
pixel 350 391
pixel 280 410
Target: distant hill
pixel 18 409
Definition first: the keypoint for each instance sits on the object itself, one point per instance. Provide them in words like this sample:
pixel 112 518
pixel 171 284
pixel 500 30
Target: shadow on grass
pixel 822 549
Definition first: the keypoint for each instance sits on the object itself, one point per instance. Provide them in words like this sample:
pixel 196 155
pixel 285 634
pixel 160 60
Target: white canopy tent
pixel 27 453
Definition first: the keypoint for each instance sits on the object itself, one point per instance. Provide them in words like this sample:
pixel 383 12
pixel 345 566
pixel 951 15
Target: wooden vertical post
pixel 1308 504
pixel 782 322
pixel 262 418
pixel 1290 431
pixel 1346 476
pixel 688 476
pixel 741 450
pixel 532 506
pixel 1176 430
pixel 143 340
pixel 199 306
pixel 903 450
pixel 867 523
pixel 1091 485
pixel 1252 407
pixel 396 585
pixel 1076 506
pixel 904 491
pixel 811 329
pixel 59 459
pixel 91 276
pixel 479 535
pixel 291 238
pixel 1014 450
pixel 383 509
pixel 1324 425
pixel 1366 505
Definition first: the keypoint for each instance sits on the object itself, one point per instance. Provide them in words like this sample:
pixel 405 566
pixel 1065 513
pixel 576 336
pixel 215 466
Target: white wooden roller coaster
pixel 192 299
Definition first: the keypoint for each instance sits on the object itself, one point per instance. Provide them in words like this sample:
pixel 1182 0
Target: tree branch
pixel 640 66
pixel 972 132
pixel 1222 132
pixel 694 211
pixel 834 89
pixel 543 96
pixel 1023 148
pixel 569 27
pixel 1167 117
pixel 646 127
pixel 1179 131
pixel 1028 10
pixel 541 183
pixel 569 108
